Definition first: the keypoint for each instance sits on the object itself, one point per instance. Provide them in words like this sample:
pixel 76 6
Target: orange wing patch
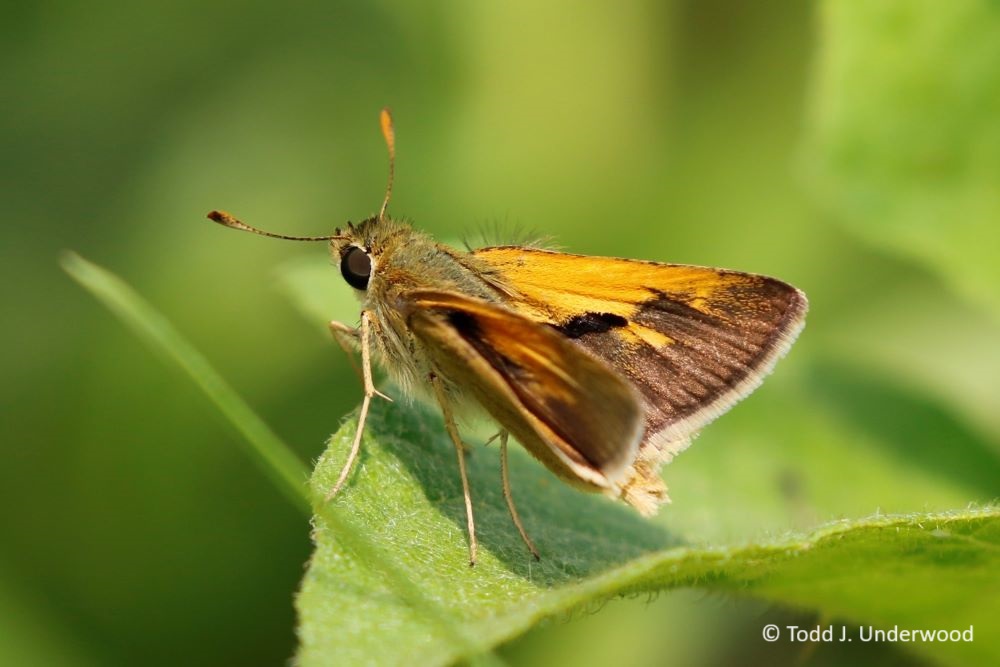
pixel 555 287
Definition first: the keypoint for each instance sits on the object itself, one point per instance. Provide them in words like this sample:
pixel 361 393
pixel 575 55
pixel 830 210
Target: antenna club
pixel 389 134
pixel 385 120
pixel 226 220
pixel 222 218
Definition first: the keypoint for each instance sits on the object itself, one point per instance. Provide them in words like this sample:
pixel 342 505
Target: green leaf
pixel 905 137
pixel 918 570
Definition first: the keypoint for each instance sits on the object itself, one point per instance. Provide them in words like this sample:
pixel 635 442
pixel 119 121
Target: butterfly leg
pixel 361 333
pixel 505 478
pixel 349 338
pixel 449 422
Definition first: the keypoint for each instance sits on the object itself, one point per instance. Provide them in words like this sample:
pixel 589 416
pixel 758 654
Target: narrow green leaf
pixel 274 457
pixel 920 570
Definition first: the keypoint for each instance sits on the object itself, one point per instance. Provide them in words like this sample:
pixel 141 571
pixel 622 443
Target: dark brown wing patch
pixel 712 359
pixel 578 325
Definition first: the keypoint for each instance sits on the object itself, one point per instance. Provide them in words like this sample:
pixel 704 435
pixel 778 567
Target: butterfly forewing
pixel 693 340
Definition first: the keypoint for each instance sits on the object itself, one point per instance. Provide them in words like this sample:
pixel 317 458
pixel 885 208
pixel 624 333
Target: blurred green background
pixel 850 148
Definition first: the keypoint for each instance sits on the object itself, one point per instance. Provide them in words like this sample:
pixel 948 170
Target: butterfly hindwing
pixel 577 415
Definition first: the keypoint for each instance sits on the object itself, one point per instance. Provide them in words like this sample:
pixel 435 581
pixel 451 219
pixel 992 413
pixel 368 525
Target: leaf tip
pixel 70 261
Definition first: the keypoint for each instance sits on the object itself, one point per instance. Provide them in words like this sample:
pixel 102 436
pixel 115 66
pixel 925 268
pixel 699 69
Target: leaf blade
pixel 588 555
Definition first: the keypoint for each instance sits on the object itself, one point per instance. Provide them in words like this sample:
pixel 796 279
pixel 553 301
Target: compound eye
pixel 356 267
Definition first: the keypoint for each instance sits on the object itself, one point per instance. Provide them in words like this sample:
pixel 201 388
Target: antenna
pixel 227 220
pixel 389 134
